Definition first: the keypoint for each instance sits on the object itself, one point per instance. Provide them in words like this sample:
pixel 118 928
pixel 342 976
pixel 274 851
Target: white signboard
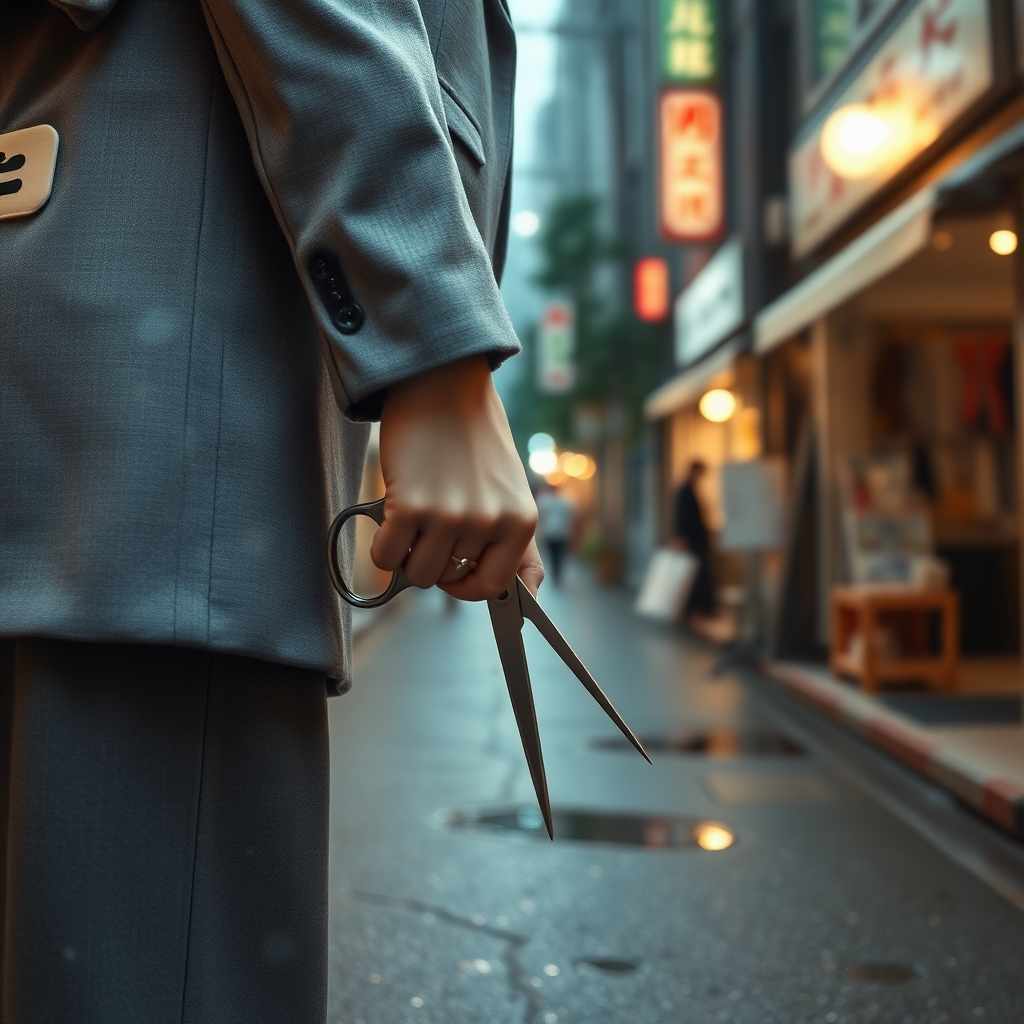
pixel 932 67
pixel 556 341
pixel 692 201
pixel 711 308
pixel 753 499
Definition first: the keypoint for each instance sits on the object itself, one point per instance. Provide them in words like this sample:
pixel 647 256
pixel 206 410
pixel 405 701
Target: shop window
pixel 934 499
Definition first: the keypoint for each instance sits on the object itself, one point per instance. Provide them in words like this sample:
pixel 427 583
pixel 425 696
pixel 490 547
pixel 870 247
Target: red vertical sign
pixel 651 289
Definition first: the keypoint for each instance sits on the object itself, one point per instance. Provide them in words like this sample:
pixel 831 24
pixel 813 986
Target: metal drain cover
pixel 884 972
pixel 724 743
pixel 652 831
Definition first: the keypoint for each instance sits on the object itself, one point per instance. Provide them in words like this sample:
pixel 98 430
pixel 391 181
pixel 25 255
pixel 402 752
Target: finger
pixel 531 569
pixel 496 568
pixel 471 545
pixel 431 555
pixel 391 543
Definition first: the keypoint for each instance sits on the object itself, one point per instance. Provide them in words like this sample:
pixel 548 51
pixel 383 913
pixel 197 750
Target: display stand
pixel 874 613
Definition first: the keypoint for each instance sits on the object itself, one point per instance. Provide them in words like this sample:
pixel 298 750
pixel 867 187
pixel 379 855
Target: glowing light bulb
pixel 713 837
pixel 1002 242
pixel 858 140
pixel 717 405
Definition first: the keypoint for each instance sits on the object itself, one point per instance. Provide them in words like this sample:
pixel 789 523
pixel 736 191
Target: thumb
pixel 531 568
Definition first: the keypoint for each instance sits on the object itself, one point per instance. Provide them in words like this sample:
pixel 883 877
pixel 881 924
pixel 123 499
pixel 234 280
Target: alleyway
pixel 825 908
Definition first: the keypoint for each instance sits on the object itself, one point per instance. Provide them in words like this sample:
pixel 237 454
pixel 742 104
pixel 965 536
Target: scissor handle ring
pixel 372 510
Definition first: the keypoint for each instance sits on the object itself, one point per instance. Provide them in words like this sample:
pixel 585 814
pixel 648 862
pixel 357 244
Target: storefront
pixel 709 411
pixel 891 369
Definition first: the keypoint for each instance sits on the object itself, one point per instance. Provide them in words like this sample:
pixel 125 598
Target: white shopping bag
pixel 667 585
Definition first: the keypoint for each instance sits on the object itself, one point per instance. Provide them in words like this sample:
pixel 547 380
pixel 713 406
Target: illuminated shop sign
pixel 691 189
pixel 689 40
pixel 556 341
pixel 928 72
pixel 711 308
pixel 651 289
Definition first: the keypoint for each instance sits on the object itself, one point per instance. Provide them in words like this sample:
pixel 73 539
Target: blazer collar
pixel 86 14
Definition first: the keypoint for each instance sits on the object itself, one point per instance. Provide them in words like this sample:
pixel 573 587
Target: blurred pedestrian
pixel 556 517
pixel 269 224
pixel 690 534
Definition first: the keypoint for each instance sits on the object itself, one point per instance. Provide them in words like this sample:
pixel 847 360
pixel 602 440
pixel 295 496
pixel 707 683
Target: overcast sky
pixel 534 82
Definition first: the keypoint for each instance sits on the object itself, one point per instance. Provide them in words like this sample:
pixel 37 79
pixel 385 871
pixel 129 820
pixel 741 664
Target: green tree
pixel 616 355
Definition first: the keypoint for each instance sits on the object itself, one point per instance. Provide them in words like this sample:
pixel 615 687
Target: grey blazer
pixel 263 215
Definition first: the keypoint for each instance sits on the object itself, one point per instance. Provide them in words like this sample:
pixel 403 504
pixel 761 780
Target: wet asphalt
pixel 827 907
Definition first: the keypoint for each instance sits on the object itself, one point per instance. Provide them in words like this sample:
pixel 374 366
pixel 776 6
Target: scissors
pixel 507 614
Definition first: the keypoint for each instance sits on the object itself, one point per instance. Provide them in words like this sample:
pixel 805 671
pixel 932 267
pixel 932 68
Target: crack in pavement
pixel 518 976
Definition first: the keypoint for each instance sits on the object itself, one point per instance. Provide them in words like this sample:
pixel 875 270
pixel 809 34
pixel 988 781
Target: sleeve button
pixel 349 318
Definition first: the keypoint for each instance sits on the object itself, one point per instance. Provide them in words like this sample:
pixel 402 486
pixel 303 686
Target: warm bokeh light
pixel 1003 242
pixel 526 223
pixel 540 443
pixel 717 405
pixel 556 479
pixel 942 241
pixel 543 462
pixel 713 837
pixel 578 465
pixel 857 141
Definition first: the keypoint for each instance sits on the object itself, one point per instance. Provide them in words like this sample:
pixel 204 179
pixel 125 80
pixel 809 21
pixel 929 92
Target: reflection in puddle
pixel 723 742
pixel 652 831
pixel 884 972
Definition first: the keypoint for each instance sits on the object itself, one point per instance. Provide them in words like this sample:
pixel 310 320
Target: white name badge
pixel 27 161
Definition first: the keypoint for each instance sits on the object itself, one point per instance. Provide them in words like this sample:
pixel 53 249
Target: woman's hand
pixel 454 485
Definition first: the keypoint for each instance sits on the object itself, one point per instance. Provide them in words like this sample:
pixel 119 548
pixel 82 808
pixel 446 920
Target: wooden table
pixel 904 610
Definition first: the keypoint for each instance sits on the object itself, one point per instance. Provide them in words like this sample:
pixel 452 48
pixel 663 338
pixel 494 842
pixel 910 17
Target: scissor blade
pixel 507 622
pixel 547 629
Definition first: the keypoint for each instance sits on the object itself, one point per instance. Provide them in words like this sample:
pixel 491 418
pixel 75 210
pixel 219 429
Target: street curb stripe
pixel 1003 801
pixel 909 748
pixel 999 800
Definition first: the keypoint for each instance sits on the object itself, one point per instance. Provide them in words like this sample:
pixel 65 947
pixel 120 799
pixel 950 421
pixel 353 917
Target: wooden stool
pixel 859 609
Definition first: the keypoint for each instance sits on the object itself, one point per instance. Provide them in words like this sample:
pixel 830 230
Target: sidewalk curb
pixel 998 799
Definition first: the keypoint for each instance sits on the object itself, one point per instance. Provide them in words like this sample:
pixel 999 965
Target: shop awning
pixel 686 388
pixel 887 244
pixel 882 248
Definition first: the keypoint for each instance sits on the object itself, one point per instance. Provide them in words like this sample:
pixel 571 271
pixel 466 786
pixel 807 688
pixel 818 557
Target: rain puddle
pixel 724 743
pixel 652 831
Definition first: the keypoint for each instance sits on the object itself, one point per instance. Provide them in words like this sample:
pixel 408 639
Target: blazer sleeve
pixel 344 116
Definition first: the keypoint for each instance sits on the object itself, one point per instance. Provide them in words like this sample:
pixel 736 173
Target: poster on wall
pixel 691 200
pixel 556 341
